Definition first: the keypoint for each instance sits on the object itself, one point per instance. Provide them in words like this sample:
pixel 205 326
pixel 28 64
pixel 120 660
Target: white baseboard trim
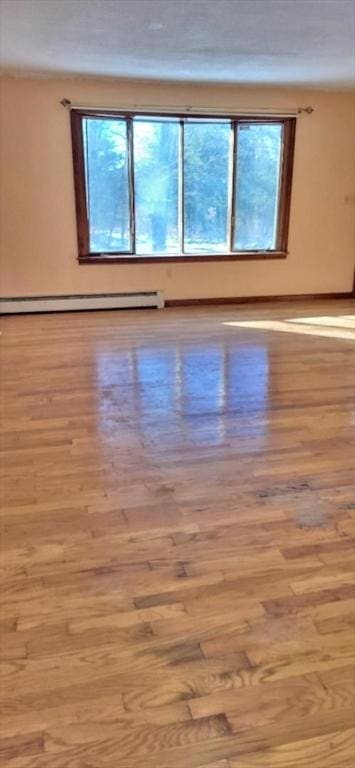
pixel 20 305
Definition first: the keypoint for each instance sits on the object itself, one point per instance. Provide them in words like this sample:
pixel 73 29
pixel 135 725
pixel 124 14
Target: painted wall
pixel 38 233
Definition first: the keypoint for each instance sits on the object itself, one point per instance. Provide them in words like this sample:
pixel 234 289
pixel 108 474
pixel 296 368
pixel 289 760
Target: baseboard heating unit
pixel 19 304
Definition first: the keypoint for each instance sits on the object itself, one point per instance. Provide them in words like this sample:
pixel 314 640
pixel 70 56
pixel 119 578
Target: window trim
pixel 77 116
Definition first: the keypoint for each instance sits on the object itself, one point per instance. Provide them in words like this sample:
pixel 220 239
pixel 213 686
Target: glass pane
pixel 207 148
pixel 156 185
pixel 107 184
pixel 257 186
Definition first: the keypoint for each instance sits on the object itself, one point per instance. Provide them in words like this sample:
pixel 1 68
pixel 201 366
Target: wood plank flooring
pixel 178 525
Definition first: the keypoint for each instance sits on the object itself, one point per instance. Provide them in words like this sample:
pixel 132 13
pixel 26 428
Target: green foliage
pixel 207 150
pixel 207 153
pixel 156 164
pixel 107 184
pixel 258 158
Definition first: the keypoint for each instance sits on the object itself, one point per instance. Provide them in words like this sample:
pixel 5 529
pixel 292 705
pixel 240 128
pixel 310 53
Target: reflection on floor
pixel 178 538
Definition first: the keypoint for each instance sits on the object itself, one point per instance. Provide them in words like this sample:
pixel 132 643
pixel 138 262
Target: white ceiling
pixel 291 42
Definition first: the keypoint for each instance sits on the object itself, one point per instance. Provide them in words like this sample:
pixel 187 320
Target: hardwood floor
pixel 178 528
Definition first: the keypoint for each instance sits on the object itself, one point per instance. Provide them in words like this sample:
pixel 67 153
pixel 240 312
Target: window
pixel 152 187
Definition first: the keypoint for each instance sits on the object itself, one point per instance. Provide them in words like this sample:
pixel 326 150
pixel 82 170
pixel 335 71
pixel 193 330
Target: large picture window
pixel 153 187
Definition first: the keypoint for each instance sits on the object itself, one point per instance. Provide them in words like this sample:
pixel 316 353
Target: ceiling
pixel 281 42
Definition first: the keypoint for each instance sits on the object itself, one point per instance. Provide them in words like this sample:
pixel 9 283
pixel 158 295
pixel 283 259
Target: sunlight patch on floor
pixel 341 321
pixel 339 327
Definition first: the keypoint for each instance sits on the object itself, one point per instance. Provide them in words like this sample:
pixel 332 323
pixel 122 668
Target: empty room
pixel 177 354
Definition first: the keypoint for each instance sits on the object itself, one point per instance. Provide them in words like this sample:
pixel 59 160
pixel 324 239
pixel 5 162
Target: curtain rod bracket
pixel 66 103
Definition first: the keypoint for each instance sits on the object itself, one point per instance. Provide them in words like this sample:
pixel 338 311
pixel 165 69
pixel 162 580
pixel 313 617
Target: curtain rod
pixel 187 109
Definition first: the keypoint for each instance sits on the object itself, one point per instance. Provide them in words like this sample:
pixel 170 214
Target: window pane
pixel 257 186
pixel 207 147
pixel 107 184
pixel 156 185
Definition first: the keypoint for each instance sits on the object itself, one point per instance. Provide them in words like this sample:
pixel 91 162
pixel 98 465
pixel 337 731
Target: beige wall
pixel 38 235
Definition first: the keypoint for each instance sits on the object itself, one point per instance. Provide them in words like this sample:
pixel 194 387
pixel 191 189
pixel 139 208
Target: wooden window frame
pixel 77 116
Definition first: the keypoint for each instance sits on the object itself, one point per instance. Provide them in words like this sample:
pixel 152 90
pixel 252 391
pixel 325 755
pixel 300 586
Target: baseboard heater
pixel 20 304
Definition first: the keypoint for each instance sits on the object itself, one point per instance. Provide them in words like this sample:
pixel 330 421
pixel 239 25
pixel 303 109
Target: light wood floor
pixel 178 523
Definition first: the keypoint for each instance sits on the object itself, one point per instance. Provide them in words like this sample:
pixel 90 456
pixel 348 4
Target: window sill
pixel 121 258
